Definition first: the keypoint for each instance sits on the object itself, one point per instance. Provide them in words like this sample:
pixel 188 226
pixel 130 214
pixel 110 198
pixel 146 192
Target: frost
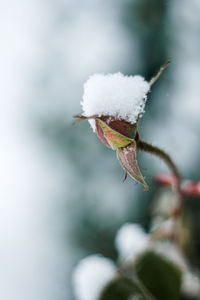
pixel 130 240
pixel 115 95
pixel 91 275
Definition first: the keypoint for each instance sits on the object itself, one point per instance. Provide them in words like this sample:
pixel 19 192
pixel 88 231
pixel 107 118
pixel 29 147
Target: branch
pixel 162 68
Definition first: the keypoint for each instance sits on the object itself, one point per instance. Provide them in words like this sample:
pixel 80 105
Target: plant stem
pixel 143 146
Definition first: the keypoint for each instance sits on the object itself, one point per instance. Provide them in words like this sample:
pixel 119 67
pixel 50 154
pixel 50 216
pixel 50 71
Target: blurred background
pixel 62 194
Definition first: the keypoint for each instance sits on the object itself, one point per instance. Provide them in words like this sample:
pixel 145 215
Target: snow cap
pixel 115 95
pixel 91 275
pixel 130 241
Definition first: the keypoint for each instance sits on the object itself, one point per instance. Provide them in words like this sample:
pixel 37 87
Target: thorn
pixel 162 68
pixel 77 121
pixel 125 176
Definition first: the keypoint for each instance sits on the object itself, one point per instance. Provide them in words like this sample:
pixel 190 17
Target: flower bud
pixel 113 104
pixel 113 138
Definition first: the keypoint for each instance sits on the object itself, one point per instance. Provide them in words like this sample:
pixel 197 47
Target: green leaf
pixel 127 157
pixel 125 289
pixel 159 275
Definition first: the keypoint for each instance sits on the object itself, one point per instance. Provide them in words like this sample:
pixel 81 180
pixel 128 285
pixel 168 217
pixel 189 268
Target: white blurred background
pixel 61 194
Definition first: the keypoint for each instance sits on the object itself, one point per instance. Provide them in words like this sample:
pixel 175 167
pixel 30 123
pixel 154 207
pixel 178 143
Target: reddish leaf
pixel 100 134
pixel 166 180
pixel 188 187
pixel 121 126
pixel 191 188
pixel 128 160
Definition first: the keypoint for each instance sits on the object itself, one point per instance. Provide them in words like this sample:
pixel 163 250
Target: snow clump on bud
pixel 91 275
pixel 130 241
pixel 122 97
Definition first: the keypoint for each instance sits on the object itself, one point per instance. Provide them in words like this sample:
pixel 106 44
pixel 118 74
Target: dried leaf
pixel 127 157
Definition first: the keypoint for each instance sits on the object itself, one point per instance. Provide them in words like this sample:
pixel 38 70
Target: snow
pixel 91 275
pixel 130 240
pixel 115 95
pixel 170 251
pixel 191 285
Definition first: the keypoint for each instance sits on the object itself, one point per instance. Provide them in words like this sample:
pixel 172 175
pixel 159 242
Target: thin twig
pixel 80 118
pixel 162 68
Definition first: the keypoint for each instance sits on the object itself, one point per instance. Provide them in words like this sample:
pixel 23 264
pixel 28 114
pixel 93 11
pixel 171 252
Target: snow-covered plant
pixel 151 266
pixel 113 104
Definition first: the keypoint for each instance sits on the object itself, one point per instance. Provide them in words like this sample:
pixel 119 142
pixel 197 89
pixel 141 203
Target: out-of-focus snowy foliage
pixel 155 267
pixel 94 272
pixel 91 275
pixel 130 240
